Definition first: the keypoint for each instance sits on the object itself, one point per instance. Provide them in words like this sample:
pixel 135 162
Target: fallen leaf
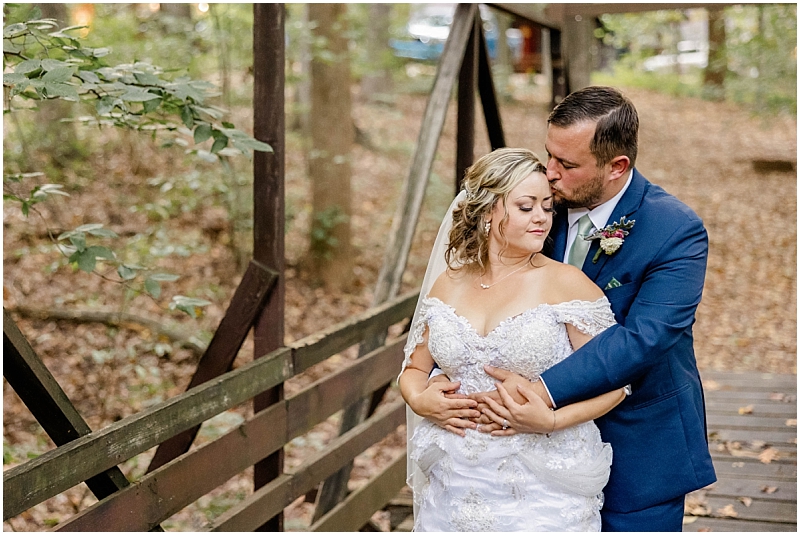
pixel 777 396
pixel 746 410
pixel 756 444
pixel 710 385
pixel 746 500
pixel 792 422
pixel 728 511
pixel 705 529
pixel 737 465
pixel 769 490
pixel 689 520
pixel 768 455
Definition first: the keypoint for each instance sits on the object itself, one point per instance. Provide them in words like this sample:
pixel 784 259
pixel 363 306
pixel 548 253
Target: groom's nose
pixel 551 171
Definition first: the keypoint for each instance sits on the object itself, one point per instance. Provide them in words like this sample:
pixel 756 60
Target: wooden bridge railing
pixel 146 503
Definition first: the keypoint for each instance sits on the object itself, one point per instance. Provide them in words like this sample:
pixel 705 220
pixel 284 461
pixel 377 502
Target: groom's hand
pixel 511 382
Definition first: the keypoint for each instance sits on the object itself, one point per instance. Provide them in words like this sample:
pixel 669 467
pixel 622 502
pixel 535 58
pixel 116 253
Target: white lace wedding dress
pixel 526 482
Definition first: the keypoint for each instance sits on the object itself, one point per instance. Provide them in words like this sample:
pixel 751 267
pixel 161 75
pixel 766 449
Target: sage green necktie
pixel 577 254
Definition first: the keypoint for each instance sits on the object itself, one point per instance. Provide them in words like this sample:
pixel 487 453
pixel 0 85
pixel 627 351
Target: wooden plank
pixel 750 421
pixel 57 470
pixel 317 347
pixel 529 12
pixel 761 395
pixel 49 404
pixel 742 469
pixel 165 491
pixel 272 498
pixel 409 205
pixel 345 387
pixel 491 109
pixel 743 435
pixel 360 505
pixel 269 192
pixel 760 408
pixel 749 380
pixel 753 488
pixel 247 301
pixel 729 524
pixel 594 10
pixel 139 508
pixel 465 116
pixel 759 510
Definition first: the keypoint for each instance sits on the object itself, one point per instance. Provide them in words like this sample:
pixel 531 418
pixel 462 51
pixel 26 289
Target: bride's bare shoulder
pixel 448 282
pixel 571 283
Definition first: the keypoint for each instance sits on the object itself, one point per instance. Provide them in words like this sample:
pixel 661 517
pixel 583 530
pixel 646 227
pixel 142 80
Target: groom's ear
pixel 619 167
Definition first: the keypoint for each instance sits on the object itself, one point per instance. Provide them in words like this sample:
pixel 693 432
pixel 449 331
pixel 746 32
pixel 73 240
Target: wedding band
pixel 505 423
pixel 478 427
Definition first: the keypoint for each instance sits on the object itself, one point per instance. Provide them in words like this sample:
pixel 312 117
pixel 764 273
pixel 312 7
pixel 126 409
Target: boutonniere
pixel 611 237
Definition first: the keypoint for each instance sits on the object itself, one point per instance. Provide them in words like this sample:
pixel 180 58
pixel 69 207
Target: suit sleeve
pixel 662 312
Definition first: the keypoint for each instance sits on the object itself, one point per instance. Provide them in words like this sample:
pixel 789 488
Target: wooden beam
pixel 49 404
pixel 359 506
pixel 410 203
pixel 530 13
pixel 57 470
pixel 247 302
pixel 491 109
pixel 269 221
pixel 465 116
pixel 594 10
pixel 268 500
pixel 138 508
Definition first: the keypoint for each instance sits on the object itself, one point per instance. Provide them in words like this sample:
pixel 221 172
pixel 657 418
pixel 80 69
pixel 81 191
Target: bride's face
pixel 530 216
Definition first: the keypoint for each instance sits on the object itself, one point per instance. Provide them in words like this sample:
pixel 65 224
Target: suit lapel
pixel 627 206
pixel 559 234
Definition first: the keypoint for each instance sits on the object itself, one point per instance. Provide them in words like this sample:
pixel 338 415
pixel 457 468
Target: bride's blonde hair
pixel 487 182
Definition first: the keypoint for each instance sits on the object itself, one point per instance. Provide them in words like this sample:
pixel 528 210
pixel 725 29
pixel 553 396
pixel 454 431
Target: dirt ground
pixel 700 151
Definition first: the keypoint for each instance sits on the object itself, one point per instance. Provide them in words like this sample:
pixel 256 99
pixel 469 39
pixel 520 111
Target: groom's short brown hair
pixel 617 129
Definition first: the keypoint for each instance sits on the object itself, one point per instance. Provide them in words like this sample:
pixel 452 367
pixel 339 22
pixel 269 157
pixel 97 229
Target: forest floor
pixel 179 214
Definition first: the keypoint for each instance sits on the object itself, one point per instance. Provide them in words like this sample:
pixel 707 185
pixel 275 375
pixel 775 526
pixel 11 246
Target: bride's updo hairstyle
pixel 487 182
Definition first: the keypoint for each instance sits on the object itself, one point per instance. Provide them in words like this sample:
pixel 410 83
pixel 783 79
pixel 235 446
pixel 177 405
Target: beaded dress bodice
pixel 525 482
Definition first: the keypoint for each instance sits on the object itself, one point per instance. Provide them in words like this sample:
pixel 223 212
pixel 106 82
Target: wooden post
pixel 41 393
pixel 268 199
pixel 465 132
pixel 491 110
pixel 577 42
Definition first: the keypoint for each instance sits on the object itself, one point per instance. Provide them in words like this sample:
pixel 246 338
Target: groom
pixel 654 282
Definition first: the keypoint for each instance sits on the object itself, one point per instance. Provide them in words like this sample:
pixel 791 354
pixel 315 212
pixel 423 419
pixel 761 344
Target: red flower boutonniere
pixel 611 237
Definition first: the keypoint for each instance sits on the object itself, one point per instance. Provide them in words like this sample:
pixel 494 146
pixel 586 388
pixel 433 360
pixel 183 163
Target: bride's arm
pixel 436 401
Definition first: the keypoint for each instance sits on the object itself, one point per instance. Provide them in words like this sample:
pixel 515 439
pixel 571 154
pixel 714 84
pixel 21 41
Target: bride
pixel 491 299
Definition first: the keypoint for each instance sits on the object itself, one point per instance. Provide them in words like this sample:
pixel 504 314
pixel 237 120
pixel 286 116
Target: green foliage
pixel 322 239
pixel 761 48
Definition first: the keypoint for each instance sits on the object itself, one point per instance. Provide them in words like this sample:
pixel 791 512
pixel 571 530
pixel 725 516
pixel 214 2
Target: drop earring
pixel 487 227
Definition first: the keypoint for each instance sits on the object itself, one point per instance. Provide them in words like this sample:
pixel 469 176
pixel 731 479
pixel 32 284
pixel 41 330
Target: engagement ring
pixel 505 423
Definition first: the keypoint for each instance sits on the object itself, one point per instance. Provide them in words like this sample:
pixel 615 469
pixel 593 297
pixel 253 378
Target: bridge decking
pixel 752 427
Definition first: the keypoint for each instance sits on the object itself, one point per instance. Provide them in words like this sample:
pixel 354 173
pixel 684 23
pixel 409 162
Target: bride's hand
pixel 440 404
pixel 533 416
pixel 510 381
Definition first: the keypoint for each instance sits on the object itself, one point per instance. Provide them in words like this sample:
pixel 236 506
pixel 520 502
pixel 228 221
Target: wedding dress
pixel 525 482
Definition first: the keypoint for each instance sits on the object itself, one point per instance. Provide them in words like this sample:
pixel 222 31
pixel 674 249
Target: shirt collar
pixel 600 214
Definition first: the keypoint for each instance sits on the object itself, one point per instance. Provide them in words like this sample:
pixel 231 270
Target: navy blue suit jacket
pixel 658 433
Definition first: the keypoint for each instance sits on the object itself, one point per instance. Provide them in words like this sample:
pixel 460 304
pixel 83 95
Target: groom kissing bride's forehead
pixel 652 269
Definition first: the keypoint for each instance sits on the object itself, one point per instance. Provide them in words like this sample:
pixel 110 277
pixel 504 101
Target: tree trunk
pixel 378 78
pixel 177 10
pixel 714 76
pixel 332 134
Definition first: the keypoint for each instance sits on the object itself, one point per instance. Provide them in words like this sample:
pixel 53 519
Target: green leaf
pixel 89 76
pixel 104 105
pixel 220 142
pixel 100 52
pixel 202 132
pixel 13 30
pixel 13 78
pixel 103 233
pixel 166 277
pixel 145 78
pixel 53 189
pixel 59 74
pixel 79 241
pixel 64 91
pixel 52 64
pixel 188 304
pixel 151 105
pixel 126 272
pixel 100 251
pixel 152 287
pixel 186 116
pixel 228 125
pixel 29 65
pixel 137 94
pixel 252 143
pixel 85 259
